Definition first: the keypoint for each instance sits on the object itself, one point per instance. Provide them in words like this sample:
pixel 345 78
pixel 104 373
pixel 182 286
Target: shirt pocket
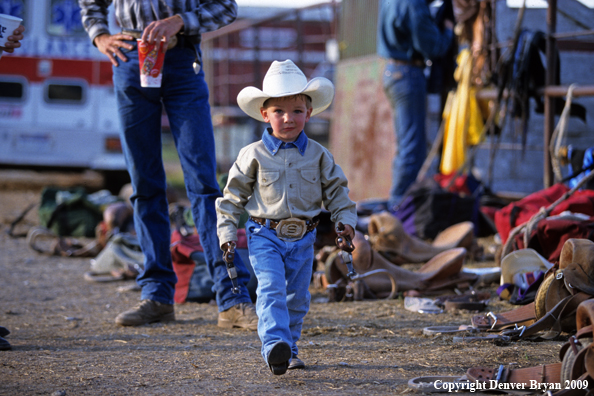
pixel 269 186
pixel 310 189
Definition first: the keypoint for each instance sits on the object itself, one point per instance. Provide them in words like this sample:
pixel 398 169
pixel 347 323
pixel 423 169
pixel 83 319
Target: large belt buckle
pixel 292 229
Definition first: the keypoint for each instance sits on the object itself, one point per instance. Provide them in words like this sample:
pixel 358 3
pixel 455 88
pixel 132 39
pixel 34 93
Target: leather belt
pixel 311 224
pixel 549 373
pixel 178 39
pixel 523 315
pixel 412 62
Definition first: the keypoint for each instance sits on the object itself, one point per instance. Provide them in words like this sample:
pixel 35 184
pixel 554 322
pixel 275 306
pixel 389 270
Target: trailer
pixel 57 103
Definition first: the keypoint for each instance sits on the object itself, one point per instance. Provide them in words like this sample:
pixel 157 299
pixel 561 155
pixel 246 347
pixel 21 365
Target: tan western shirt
pixel 282 184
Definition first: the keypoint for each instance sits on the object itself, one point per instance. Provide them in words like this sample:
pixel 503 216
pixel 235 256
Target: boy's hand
pixel 344 238
pixel 225 246
pixel 344 241
pixel 347 232
pixel 228 249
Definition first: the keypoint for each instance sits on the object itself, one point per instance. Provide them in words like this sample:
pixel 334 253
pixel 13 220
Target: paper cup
pixel 8 25
pixel 150 59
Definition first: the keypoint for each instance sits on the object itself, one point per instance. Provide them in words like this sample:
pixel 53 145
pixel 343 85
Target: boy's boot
pixel 278 358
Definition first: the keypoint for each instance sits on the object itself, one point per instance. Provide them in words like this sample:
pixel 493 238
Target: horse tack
pixel 576 355
pixel 555 305
pixel 523 315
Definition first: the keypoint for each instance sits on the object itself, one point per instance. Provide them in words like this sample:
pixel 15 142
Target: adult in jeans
pixel 11 44
pixel 184 94
pixel 407 37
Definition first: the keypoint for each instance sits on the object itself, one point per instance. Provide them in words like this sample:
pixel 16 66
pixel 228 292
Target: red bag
pixel 518 213
pixel 181 250
pixel 551 234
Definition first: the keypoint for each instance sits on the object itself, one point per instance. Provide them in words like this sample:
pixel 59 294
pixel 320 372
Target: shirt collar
pixel 273 145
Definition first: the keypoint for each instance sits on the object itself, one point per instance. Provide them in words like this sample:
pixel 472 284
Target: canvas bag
pixel 121 259
pixel 69 212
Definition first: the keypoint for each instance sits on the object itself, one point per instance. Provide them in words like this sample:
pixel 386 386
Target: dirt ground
pixel 65 341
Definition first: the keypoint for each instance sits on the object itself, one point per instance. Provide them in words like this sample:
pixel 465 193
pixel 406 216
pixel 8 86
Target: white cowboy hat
pixel 522 261
pixel 285 79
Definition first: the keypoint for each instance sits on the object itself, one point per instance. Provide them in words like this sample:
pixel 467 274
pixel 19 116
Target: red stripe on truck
pixel 93 72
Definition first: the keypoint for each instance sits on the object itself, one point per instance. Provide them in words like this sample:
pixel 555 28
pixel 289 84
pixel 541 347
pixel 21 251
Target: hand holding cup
pixel 11 32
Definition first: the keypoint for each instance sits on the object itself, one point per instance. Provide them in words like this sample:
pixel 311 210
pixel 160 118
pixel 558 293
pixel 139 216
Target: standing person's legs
pixel 185 96
pixel 405 87
pixel 140 114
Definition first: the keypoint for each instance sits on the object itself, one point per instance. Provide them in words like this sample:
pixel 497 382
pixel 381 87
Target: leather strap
pixel 134 33
pixel 589 361
pixel 173 40
pixel 311 224
pixel 552 319
pixel 523 315
pixel 549 373
pixel 413 62
pixel 576 339
pixel 469 301
pixel 467 305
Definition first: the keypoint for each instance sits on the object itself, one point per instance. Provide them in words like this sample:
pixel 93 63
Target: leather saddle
pixel 442 272
pixel 388 237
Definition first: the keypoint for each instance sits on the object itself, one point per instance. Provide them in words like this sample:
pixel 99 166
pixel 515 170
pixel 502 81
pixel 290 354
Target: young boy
pixel 282 181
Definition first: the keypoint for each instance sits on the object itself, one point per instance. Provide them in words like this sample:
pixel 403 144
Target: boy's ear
pixel 308 114
pixel 264 113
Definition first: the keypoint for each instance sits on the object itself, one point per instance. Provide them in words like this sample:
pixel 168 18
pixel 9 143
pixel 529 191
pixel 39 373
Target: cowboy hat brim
pixel 319 89
pixel 519 261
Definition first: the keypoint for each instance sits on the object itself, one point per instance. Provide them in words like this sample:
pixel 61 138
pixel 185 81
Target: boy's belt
pixel 291 229
pixel 310 224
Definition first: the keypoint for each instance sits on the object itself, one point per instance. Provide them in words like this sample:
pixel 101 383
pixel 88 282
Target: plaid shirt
pixel 199 16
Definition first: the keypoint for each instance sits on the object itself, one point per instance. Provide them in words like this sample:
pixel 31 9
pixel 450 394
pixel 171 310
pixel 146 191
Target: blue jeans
pixel 185 97
pixel 283 270
pixel 406 88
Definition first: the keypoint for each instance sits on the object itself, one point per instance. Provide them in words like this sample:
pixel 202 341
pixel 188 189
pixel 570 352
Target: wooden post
pixel 549 108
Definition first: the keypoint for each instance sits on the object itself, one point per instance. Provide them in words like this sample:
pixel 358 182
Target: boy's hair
pixel 305 97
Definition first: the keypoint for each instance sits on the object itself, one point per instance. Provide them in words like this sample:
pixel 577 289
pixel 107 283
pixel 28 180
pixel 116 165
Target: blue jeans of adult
pixel 283 270
pixel 406 88
pixel 184 94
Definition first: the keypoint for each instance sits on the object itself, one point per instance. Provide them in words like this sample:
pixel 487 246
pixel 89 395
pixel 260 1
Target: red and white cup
pixel 8 24
pixel 150 59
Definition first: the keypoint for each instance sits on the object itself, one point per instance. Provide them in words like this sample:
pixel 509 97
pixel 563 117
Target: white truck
pixel 57 103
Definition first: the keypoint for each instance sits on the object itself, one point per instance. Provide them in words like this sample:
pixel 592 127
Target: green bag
pixel 69 212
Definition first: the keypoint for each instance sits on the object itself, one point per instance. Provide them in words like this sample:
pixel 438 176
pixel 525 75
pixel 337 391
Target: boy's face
pixel 287 117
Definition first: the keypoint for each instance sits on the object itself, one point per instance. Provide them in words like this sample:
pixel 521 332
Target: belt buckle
pixel 172 42
pixel 291 229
